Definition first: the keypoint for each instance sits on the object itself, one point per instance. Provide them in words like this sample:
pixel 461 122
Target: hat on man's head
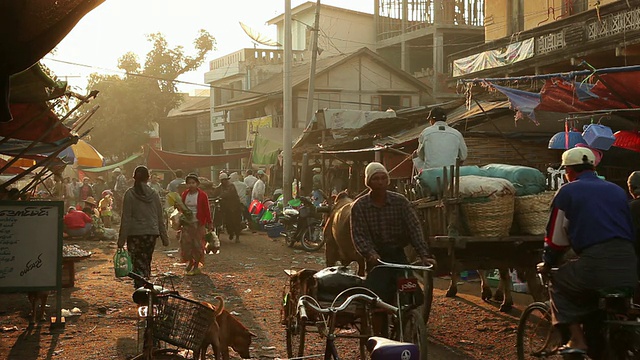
pixel 261 172
pixel 437 114
pixel 578 156
pixel 193 176
pixel 317 169
pixel 117 170
pixel 372 169
pixel 90 200
pixel 223 176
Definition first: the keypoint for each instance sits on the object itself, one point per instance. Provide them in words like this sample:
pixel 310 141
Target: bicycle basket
pixel 183 322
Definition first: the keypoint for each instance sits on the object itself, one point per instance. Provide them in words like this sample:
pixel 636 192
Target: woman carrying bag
pixel 194 227
pixel 142 222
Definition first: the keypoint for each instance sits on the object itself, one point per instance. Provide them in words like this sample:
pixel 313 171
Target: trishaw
pixel 332 286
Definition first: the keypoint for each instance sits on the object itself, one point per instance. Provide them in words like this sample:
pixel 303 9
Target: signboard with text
pixel 30 245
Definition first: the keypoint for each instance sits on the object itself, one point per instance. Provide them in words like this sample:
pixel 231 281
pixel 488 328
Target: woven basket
pixel 489 217
pixel 532 212
pixel 182 322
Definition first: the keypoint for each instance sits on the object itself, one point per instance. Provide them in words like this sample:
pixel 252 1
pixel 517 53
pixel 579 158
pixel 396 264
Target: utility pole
pixel 287 159
pixel 314 57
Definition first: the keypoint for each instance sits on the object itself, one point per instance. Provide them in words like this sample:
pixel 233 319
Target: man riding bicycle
pixel 382 224
pixel 592 217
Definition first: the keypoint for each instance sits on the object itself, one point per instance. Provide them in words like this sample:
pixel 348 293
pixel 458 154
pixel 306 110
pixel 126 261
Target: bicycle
pixel 410 324
pixel 379 348
pixel 169 318
pixel 615 328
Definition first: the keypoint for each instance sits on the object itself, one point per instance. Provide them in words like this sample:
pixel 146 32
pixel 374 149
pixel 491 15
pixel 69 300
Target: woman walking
pixel 142 222
pixel 192 235
pixel 230 202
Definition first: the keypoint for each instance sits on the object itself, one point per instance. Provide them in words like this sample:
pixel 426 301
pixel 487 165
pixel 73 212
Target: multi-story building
pixel 419 35
pixel 538 37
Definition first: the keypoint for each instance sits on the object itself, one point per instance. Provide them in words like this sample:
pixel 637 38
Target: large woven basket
pixel 489 217
pixel 532 212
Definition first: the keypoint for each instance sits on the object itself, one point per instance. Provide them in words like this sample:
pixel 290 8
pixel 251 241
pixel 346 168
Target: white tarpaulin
pixel 491 59
pixel 342 121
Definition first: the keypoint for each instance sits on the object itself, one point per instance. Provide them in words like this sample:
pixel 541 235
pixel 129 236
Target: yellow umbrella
pixel 83 154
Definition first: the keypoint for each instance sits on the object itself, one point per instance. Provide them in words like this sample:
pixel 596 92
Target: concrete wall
pixel 536 13
pixel 340 31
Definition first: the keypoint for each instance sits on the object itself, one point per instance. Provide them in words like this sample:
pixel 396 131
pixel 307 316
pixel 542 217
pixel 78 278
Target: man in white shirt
pixel 259 187
pixel 249 180
pixel 439 144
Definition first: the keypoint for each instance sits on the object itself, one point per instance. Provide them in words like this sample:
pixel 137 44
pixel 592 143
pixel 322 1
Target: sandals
pixel 565 350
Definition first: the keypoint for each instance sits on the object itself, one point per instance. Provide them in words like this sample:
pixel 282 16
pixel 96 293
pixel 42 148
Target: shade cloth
pixel 28 31
pixel 44 120
pixel 13 147
pixel 165 160
pixel 612 90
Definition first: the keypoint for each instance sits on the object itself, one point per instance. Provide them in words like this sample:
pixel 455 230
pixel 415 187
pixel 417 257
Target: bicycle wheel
pixel 415 331
pixel 295 332
pixel 312 239
pixel 537 338
pixel 428 296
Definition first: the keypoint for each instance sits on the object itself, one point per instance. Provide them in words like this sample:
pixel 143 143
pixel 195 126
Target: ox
pixel 339 247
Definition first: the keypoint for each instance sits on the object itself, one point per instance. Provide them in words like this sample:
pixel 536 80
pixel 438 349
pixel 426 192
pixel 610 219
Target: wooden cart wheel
pixel 428 296
pixel 295 332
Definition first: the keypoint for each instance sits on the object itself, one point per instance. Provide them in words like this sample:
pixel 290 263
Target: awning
pixel 112 166
pixel 165 160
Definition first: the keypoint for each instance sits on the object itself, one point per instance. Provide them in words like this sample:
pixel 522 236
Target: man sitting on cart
pixel 592 217
pixel 382 224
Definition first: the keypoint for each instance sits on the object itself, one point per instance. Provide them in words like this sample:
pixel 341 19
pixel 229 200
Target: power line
pixel 154 77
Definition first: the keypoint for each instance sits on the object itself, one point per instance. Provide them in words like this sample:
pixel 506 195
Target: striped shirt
pixel 395 225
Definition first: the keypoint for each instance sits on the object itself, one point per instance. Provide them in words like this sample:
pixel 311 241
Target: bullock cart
pixel 446 228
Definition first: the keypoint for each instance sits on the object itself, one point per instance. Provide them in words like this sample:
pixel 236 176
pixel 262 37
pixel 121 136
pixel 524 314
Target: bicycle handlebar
pixel 135 276
pixel 303 302
pixel 405 266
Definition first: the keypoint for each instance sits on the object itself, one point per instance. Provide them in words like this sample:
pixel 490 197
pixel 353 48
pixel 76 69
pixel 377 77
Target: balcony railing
pixel 424 13
pixel 253 57
pixel 582 33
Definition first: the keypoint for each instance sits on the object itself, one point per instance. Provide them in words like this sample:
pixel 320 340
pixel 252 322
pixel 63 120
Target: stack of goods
pixel 532 212
pixel 429 177
pixel 74 251
pixel 487 205
pixel 532 202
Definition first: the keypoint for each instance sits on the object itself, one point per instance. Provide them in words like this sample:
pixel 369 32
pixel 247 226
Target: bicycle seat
pixel 382 348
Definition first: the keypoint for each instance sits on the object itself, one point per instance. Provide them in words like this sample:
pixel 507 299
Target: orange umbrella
pixel 83 154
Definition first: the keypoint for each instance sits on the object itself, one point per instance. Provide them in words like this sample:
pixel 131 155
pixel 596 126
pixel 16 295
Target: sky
pixel 119 26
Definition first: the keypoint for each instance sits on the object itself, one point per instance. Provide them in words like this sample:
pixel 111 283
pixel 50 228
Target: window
pixel 572 7
pixel 384 102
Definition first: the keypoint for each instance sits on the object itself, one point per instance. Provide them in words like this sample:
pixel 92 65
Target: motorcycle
pixel 304 224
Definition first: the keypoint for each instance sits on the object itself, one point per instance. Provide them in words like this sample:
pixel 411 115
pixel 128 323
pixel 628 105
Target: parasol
pixel 82 154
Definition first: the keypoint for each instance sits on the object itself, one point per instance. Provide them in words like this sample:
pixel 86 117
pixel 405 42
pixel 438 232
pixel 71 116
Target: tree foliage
pixel 130 103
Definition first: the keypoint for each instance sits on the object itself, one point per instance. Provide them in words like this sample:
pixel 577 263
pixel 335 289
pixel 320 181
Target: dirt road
pixel 250 277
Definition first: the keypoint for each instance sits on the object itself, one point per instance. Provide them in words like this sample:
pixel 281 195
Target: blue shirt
pixel 586 212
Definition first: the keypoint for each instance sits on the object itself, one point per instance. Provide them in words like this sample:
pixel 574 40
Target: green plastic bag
pixel 122 263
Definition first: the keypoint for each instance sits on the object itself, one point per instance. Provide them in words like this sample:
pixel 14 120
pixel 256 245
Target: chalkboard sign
pixel 30 245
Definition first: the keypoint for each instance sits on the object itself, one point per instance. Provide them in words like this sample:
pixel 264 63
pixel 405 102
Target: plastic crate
pixel 598 136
